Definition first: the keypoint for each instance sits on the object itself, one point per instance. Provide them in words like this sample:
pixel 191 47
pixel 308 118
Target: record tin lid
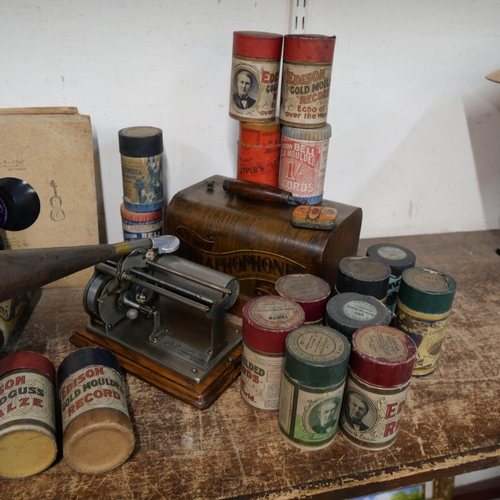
pixel 364 275
pixel 309 48
pixel 258 44
pixel 316 356
pixel 140 142
pixel 87 356
pixel 347 312
pixel 308 134
pixel 29 361
pixel 397 257
pixel 309 291
pixel 267 321
pixel 424 289
pixel 382 356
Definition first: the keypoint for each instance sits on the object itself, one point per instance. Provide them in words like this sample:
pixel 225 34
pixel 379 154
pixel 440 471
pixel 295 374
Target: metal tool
pixel 164 308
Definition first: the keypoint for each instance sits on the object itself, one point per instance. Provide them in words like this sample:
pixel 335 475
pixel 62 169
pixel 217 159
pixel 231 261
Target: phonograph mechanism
pixel 165 318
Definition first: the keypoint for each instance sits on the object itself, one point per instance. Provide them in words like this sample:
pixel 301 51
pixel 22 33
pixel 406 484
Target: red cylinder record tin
pixel 380 371
pixel 259 152
pixel 348 312
pixel 255 75
pixel 138 225
pixel 310 292
pixel 363 275
pixel 267 321
pixel 97 433
pixel 27 415
pixel 423 308
pixel 306 77
pixel 314 375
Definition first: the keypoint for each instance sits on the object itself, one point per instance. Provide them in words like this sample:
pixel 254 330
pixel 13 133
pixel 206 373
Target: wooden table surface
pixel 451 423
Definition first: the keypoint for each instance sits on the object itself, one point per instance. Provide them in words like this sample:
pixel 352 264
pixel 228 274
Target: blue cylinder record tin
pixel 86 357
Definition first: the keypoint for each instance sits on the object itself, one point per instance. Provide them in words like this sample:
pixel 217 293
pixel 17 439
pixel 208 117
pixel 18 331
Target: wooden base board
pixel 200 395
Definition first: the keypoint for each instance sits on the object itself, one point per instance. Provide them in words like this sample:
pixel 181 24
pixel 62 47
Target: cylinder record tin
pixel 141 150
pixel 348 312
pixel 363 275
pixel 303 158
pixel 97 433
pixel 139 225
pixel 259 148
pixel 423 307
pixel 398 258
pixel 309 291
pixel 27 415
pixel 314 374
pixel 380 371
pixel 267 321
pixel 306 77
pixel 255 75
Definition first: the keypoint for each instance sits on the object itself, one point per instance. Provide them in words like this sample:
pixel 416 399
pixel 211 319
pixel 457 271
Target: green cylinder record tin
pixel 423 307
pixel 314 374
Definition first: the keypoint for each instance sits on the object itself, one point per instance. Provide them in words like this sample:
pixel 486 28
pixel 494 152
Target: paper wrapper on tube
pixel 255 241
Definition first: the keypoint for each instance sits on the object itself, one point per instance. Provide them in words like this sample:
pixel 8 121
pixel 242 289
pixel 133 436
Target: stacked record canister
pixel 141 150
pixel 360 295
pixel 292 157
pixel 305 90
pixel 254 89
pixel 383 288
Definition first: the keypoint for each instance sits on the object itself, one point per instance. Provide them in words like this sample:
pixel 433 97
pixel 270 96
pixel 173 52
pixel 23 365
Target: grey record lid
pixel 347 312
pixel 397 257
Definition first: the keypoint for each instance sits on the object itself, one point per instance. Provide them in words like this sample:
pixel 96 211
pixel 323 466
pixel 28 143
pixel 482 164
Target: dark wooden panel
pixel 231 450
pixel 255 241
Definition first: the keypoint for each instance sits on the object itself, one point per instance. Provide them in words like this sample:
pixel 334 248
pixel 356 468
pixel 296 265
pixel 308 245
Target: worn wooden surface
pixel 231 450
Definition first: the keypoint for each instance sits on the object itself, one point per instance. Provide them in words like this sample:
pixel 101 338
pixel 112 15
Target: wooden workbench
pixel 451 423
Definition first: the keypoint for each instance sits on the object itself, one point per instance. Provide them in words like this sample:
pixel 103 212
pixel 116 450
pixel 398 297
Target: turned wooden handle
pixel 256 191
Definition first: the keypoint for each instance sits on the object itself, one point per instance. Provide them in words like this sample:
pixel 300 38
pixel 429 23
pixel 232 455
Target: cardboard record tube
pixel 97 432
pixel 27 415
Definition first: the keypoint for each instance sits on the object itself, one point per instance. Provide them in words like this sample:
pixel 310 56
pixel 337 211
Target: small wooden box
pixel 255 241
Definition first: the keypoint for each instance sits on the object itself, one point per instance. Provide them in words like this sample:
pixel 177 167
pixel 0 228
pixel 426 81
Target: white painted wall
pixel 416 126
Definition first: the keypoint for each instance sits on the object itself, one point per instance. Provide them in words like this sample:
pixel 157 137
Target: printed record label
pixel 275 313
pixel 360 310
pixel 427 331
pixel 91 388
pixel 142 180
pixel 27 396
pixel 315 346
pixel 303 166
pixel 392 253
pixel 261 378
pixel 309 418
pixel 254 87
pixel 370 416
pixel 305 91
